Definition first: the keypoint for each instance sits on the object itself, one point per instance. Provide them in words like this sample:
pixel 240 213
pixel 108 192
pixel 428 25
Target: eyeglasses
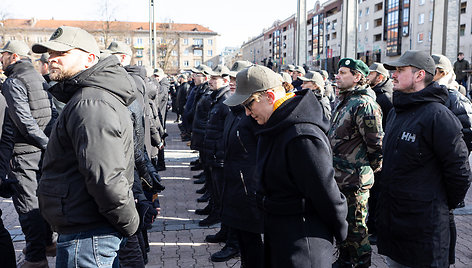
pixel 249 103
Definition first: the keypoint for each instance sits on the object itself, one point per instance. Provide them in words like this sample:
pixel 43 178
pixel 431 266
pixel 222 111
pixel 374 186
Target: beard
pixel 58 74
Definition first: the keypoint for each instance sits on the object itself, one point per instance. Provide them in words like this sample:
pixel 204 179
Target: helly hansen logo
pixel 408 137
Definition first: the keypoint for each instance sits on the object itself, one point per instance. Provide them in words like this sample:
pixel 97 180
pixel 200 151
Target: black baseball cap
pixel 414 58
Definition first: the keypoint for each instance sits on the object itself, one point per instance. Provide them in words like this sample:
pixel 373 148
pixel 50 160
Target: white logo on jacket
pixel 408 137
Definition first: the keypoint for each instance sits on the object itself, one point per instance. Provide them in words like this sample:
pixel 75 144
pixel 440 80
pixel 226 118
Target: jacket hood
pixel 304 107
pixel 106 75
pixel 384 87
pixel 432 93
pixel 136 70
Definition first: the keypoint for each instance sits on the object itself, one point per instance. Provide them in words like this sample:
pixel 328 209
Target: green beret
pixel 353 64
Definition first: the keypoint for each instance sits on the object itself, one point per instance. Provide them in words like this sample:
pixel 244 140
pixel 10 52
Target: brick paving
pixel 176 240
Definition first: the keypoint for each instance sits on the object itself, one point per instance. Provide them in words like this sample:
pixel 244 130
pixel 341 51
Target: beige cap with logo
pixel 66 38
pixel 16 47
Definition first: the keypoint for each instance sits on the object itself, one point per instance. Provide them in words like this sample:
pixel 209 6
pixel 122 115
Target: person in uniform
pixel 356 139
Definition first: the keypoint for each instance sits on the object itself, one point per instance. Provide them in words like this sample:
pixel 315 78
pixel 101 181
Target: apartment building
pixel 179 46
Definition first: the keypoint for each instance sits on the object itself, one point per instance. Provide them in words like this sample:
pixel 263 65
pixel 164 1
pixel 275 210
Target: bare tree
pixel 4 15
pixel 168 42
pixel 107 12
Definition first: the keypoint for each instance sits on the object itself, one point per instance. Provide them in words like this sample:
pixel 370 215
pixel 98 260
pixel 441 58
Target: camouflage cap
pixel 442 62
pixel 16 47
pixel 220 70
pixel 250 80
pixel 314 77
pixel 66 38
pixel 117 47
pixel 353 64
pixel 202 69
pixel 239 66
pixel 414 58
pixel 379 68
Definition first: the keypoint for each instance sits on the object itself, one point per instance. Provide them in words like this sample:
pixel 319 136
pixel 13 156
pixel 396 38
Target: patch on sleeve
pixel 371 124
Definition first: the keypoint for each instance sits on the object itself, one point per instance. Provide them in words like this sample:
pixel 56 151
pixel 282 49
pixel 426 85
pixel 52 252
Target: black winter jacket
pixel 30 107
pixel 462 108
pixel 163 98
pixel 213 146
pixel 383 92
pixel 89 162
pixel 182 94
pixel 304 209
pixel 202 109
pixel 239 208
pixel 425 173
pixel 7 138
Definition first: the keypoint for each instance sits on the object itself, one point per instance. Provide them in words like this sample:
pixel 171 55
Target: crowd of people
pixel 294 166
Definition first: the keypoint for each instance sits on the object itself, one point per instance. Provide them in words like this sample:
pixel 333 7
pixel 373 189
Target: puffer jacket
pixel 202 109
pixel 88 166
pixel 462 108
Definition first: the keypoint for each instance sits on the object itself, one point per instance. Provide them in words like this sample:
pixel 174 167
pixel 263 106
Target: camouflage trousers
pixel 356 248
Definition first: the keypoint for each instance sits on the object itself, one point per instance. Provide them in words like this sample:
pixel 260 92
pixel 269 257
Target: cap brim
pixel 195 70
pixel 233 74
pixel 394 64
pixel 236 99
pixel 305 79
pixel 51 45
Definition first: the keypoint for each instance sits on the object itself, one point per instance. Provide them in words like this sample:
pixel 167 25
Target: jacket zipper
pixel 242 179
pixel 240 141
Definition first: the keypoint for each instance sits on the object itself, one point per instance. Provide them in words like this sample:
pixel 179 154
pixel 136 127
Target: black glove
pixel 157 187
pixel 147 214
pixel 8 187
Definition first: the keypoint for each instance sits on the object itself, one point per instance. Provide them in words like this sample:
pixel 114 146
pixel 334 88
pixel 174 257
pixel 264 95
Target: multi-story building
pixel 384 30
pixel 179 46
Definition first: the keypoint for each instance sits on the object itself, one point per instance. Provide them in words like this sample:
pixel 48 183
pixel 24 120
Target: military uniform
pixel 356 139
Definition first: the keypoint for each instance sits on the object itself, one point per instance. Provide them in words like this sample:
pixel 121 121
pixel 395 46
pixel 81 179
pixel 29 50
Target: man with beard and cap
pixel 85 191
pixel 314 81
pixel 302 206
pixel 32 112
pixel 380 82
pixel 44 71
pixel 133 253
pixel 426 170
pixel 356 139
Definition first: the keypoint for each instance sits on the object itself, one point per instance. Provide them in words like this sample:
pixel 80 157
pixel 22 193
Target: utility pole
pixel 152 35
pixel 445 32
pixel 301 32
pixel 349 29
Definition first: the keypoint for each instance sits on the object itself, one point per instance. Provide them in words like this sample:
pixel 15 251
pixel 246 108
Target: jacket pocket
pixel 51 197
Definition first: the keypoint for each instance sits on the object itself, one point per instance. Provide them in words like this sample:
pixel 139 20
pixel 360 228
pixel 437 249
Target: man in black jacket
pixel 459 66
pixel 425 171
pixel 32 112
pixel 302 205
pixel 85 190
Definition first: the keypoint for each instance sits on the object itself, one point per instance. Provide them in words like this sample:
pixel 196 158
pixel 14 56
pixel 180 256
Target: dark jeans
pixel 93 248
pixel 26 169
pixel 453 238
pixel 130 254
pixel 251 248
pixel 7 252
pixel 217 182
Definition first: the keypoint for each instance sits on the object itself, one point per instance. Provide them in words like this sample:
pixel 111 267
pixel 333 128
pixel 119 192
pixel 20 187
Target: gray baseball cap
pixel 220 70
pixel 291 67
pixel 324 73
pixel 66 38
pixel 159 72
pixel 286 77
pixel 300 69
pixel 415 58
pixel 378 67
pixel 16 47
pixel 250 80
pixel 44 58
pixel 314 77
pixel 239 66
pixel 202 69
pixel 442 62
pixel 117 47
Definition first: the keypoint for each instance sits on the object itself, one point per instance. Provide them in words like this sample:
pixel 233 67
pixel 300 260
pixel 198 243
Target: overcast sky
pixel 234 22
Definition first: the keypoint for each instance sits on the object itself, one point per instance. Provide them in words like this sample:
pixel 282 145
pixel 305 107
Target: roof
pixel 98 25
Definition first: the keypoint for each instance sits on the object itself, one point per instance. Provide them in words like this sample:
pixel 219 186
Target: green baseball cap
pixel 66 38
pixel 353 64
pixel 415 58
pixel 202 69
pixel 256 78
pixel 117 47
pixel 16 47
pixel 378 67
pixel 220 70
pixel 239 66
pixel 314 77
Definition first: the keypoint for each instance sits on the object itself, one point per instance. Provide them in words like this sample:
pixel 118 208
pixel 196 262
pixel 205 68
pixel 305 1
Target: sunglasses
pixel 249 103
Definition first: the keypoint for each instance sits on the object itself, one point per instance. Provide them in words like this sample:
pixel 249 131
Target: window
pixel 39 39
pixel 210 42
pixel 431 14
pixel 462 30
pixel 210 53
pixel 334 35
pixel 186 63
pixel 378 6
pixel 128 40
pixel 197 52
pixel 175 63
pixel 139 41
pixel 197 63
pixel 378 22
pixel 186 52
pixel 367 11
pixel 360 27
pixel 421 18
pixel 420 37
pixel 198 42
pixel 174 53
pixel 367 26
pixel 429 36
pixel 115 39
pixel 377 37
pixel 335 22
pixel 140 63
pixel 360 13
pixel 139 52
pixel 102 40
pixel 421 2
pixel 210 64
pixel 185 41
pixel 463 7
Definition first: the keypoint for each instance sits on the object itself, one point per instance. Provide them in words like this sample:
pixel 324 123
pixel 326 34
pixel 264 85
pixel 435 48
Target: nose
pixel 395 75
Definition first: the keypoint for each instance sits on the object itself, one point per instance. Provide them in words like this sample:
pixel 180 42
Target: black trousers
pixel 130 255
pixel 7 251
pixel 251 248
pixel 26 169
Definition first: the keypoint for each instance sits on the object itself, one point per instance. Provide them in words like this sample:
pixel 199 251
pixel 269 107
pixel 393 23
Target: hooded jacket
pixel 462 108
pixel 383 92
pixel 425 173
pixel 89 162
pixel 202 108
pixel 303 206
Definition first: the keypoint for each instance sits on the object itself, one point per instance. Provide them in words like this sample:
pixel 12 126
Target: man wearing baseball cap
pixel 314 81
pixel 302 205
pixel 298 71
pixel 31 110
pixel 426 170
pixel 356 139
pixel 85 190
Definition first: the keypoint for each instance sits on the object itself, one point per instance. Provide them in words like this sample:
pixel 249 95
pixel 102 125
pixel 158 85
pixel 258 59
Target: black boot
pixel 210 220
pixel 219 237
pixel 225 254
pixel 201 190
pixel 204 198
pixel 201 180
pixel 199 175
pixel 203 211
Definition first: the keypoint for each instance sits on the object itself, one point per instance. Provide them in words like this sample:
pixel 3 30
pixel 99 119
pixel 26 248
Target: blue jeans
pixel 94 248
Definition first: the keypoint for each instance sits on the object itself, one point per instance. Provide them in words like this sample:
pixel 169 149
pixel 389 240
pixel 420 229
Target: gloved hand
pixel 147 214
pixel 157 187
pixel 8 187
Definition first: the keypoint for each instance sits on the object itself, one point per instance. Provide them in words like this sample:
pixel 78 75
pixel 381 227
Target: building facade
pixel 179 46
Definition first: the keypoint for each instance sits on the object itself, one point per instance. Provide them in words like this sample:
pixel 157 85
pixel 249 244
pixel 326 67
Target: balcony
pixel 200 46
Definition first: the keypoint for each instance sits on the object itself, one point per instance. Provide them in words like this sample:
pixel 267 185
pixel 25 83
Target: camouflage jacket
pixel 356 138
